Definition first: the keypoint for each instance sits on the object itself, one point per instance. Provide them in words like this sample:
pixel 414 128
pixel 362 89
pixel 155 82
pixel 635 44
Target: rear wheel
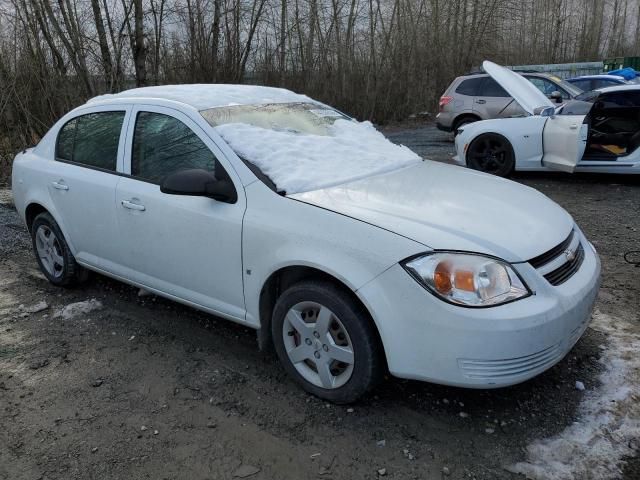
pixel 491 153
pixel 53 254
pixel 326 342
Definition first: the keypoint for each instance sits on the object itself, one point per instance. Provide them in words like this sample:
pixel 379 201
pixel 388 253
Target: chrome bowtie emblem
pixel 570 254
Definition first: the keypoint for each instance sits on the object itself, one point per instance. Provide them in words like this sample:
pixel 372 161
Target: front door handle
pixel 481 102
pixel 574 126
pixel 59 185
pixel 133 206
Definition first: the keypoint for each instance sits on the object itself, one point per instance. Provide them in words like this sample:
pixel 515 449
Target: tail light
pixel 444 100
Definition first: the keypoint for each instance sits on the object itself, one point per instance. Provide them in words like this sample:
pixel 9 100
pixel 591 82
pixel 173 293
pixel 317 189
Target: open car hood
pixel 521 89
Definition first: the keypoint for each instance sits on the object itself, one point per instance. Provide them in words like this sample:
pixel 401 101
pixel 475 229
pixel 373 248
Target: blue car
pixel 591 82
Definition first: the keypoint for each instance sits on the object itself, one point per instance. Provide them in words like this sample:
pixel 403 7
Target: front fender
pixel 352 251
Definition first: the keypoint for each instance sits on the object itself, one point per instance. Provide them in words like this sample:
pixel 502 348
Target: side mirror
pixel 557 96
pixel 198 182
pixel 544 111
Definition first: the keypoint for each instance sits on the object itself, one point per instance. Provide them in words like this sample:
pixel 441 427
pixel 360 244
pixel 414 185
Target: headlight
pixel 467 279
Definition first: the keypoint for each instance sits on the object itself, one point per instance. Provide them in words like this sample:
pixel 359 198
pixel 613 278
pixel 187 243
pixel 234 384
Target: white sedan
pixel 597 132
pixel 347 253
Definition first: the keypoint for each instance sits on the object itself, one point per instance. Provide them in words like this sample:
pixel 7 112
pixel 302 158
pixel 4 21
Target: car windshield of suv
pixel 569 87
pixel 301 147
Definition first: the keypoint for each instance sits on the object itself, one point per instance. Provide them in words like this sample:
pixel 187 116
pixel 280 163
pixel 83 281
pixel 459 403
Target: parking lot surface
pixel 101 382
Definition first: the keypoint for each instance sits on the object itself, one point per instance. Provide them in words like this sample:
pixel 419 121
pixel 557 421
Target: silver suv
pixel 478 97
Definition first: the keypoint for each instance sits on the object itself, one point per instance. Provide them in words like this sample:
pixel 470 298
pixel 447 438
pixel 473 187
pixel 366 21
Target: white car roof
pixel 204 96
pixel 598 77
pixel 619 88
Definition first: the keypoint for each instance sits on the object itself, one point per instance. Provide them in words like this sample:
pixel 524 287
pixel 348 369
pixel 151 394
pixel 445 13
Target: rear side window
pixel 163 145
pixel 470 86
pixel 91 140
pixel 490 88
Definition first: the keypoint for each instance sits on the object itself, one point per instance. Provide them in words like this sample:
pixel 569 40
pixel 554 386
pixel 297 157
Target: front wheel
pixel 326 342
pixel 491 153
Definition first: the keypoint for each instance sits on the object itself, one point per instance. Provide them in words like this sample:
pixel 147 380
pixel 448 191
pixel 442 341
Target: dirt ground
pixel 140 387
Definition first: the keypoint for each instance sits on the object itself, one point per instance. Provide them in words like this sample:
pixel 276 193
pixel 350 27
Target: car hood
pixel 522 90
pixel 445 207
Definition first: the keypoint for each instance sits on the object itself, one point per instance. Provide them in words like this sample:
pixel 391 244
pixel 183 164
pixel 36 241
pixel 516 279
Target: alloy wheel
pixel 490 154
pixel 49 251
pixel 318 345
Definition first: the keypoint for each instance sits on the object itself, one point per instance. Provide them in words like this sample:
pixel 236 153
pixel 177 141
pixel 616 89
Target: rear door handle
pixel 59 185
pixel 133 206
pixel 481 102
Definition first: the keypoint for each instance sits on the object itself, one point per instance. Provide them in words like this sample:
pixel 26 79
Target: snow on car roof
pixel 203 96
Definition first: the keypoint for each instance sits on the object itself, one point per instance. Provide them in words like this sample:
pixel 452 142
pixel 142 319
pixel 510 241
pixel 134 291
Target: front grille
pixel 494 370
pixel 558 265
pixel 546 257
pixel 566 271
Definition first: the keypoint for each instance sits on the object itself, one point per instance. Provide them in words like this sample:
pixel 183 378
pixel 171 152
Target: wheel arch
pixel 456 121
pixel 34 208
pixel 32 211
pixel 282 279
pixel 484 134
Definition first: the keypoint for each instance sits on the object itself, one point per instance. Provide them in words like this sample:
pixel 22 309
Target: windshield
pixel 310 118
pixel 589 96
pixel 569 87
pixel 299 147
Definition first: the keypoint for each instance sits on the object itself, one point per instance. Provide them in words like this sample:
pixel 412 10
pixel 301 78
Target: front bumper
pixel 427 339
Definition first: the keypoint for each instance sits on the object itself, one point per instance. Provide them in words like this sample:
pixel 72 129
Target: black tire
pixel 368 360
pixel 491 153
pixel 69 273
pixel 463 121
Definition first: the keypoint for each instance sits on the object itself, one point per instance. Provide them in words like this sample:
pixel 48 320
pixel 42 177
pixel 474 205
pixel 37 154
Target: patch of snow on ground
pixel 608 427
pixel 303 162
pixel 79 308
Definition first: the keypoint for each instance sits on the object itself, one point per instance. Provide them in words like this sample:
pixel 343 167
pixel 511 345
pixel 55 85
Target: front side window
pixel 163 144
pixel 91 140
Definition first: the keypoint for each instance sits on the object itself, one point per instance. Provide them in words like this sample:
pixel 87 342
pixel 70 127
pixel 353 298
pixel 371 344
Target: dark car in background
pixel 592 82
pixel 474 97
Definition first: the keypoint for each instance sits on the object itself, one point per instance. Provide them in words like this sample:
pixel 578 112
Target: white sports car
pixel 598 132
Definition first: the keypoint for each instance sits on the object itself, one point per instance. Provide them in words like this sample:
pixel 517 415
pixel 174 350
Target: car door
pixel 564 140
pixel 188 247
pixel 83 179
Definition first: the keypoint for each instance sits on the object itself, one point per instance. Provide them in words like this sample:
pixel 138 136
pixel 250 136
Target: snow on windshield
pixel 300 162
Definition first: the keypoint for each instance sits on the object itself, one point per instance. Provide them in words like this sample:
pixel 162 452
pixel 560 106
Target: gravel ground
pixel 139 387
